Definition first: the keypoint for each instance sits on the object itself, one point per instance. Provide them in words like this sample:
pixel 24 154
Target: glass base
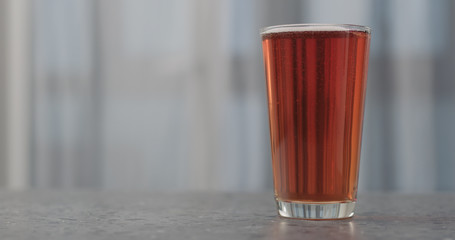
pixel 315 211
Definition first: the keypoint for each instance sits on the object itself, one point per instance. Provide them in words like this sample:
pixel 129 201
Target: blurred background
pixel 156 95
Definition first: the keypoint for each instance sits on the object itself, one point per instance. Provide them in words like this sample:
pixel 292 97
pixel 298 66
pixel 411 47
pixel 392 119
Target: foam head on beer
pixel 313 28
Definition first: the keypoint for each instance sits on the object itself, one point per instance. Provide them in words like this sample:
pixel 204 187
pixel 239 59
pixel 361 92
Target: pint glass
pixel 316 81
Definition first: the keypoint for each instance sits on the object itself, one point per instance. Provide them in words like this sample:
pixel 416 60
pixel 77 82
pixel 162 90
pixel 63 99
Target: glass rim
pixel 302 27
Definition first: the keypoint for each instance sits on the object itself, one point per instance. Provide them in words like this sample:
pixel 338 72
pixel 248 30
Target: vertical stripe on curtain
pixel 15 104
pixel 3 98
pixel 65 125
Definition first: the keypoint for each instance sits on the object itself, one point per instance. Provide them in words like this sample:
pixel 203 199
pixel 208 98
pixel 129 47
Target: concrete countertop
pixel 205 215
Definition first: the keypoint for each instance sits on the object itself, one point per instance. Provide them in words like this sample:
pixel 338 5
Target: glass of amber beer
pixel 316 81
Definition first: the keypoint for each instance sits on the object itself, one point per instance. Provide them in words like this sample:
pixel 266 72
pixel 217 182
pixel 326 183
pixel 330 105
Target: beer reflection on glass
pixel 316 81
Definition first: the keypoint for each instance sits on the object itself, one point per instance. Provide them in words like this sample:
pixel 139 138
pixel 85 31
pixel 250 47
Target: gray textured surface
pixel 90 215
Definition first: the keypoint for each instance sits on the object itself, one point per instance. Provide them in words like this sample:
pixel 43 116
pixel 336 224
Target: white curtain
pixel 155 95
